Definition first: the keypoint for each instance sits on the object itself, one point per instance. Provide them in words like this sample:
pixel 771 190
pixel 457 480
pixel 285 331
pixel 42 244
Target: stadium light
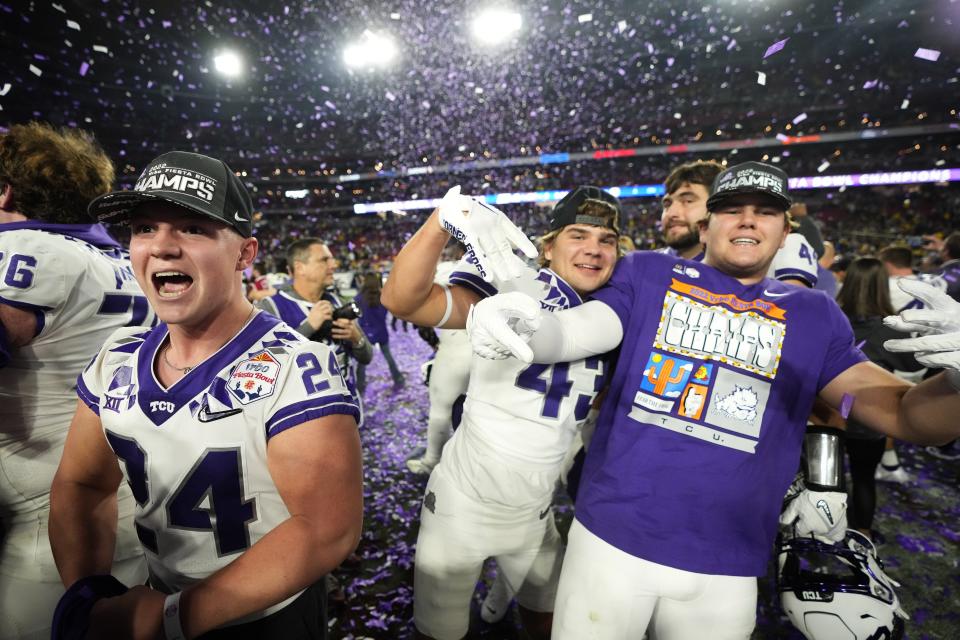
pixel 495 26
pixel 228 63
pixel 371 50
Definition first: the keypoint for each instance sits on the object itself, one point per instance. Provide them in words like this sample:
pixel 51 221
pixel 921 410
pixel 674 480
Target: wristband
pixel 824 453
pixel 172 629
pixel 449 310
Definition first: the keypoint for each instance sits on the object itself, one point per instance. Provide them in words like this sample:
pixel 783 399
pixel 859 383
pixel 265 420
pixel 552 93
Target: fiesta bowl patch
pixel 254 378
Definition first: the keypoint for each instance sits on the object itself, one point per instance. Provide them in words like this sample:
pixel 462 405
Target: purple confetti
pixel 775 47
pixel 83 68
pixel 927 54
pixel 846 405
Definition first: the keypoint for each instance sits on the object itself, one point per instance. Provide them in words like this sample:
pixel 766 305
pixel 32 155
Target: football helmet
pixel 838 591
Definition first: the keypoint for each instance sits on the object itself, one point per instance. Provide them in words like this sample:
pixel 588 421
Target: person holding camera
pixel 310 305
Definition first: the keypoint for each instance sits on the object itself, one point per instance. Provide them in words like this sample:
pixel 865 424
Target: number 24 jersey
pixel 195 454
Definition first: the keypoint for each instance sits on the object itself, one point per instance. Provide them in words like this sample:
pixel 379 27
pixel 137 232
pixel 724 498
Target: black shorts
pixel 303 619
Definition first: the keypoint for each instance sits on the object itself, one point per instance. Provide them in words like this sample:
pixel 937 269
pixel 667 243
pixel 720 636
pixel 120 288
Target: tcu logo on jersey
pixel 162 405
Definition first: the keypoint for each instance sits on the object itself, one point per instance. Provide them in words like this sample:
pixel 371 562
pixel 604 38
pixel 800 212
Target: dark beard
pixel 686 241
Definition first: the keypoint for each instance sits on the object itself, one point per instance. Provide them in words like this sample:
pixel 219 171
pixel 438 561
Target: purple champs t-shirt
pixel 700 433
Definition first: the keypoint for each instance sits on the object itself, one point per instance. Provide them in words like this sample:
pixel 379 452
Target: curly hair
pixel 54 173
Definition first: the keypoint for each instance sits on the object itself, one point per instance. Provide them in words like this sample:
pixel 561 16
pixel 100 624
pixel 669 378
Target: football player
pixel 66 285
pixel 685 207
pixel 678 505
pixel 237 436
pixel 491 492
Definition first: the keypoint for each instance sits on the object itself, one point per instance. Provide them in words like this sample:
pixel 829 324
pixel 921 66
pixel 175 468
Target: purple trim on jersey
pixel 573 298
pixel 795 274
pixel 95 234
pixel 196 380
pixel 300 412
pixel 473 282
pixel 88 397
pixel 219 391
pixel 38 311
pixel 699 486
pixel 288 309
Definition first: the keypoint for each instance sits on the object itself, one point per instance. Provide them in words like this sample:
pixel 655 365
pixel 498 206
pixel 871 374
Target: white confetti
pixel 927 54
pixel 100 48
pixel 761 78
pixel 585 17
pixel 622 26
pixel 823 166
pixel 782 138
pixel 5 89
pixel 800 118
pixel 35 71
pixel 73 25
pixel 58 7
pixel 905 103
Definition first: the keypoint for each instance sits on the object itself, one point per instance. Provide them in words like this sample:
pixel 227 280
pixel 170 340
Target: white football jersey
pixel 78 283
pixel 195 454
pixel 529 411
pixel 796 260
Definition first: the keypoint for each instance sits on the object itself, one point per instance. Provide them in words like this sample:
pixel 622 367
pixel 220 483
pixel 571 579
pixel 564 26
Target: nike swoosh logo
pixel 822 505
pixel 236 216
pixel 775 295
pixel 205 415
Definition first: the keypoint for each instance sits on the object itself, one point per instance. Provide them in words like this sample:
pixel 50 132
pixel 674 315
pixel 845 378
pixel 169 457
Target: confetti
pixel 73 25
pixel 84 67
pixel 823 166
pixel 35 71
pixel 585 17
pixel 5 89
pixel 775 47
pixel 761 78
pixel 927 54
pixel 800 118
pixel 99 48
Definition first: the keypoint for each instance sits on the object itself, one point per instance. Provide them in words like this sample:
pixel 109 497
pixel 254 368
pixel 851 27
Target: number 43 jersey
pixel 528 411
pixel 195 454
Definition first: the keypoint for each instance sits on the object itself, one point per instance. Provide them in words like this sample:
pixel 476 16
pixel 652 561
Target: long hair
pixel 54 173
pixel 370 289
pixel 866 290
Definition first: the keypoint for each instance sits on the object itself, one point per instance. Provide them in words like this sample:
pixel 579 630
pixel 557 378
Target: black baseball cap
pixel 567 210
pixel 198 183
pixel 750 177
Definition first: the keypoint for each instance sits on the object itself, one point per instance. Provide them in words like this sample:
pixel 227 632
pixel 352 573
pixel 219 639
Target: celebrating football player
pixel 700 433
pixel 490 494
pixel 237 436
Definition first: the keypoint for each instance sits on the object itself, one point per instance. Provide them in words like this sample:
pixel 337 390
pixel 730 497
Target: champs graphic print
pixel 709 372
pixel 254 378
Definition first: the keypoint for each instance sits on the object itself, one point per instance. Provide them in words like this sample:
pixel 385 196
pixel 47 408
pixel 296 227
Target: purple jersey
pixel 700 434
pixel 949 274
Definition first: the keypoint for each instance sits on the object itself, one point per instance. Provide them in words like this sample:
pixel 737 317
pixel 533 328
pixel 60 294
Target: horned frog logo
pixel 740 404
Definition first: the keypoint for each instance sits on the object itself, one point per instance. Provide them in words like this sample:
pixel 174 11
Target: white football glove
pixel 488 235
pixel 501 325
pixel 938 326
pixel 822 514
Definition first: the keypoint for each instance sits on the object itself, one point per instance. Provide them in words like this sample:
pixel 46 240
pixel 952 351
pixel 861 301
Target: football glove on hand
pixel 488 235
pixel 500 326
pixel 822 514
pixel 938 326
